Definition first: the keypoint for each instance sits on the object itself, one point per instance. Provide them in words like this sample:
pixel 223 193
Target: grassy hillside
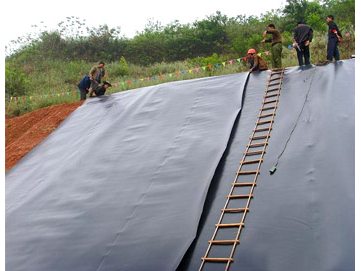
pixel 44 68
pixel 49 82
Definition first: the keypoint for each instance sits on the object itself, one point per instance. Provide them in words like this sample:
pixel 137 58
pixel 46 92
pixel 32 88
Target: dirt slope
pixel 23 133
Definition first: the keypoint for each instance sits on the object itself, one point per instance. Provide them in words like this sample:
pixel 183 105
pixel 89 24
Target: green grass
pixel 48 77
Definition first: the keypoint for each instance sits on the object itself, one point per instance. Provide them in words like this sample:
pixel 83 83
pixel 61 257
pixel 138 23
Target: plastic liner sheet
pixel 121 184
pixel 303 216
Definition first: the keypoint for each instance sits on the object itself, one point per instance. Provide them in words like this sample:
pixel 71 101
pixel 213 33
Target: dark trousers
pixel 83 93
pixel 332 49
pixel 303 53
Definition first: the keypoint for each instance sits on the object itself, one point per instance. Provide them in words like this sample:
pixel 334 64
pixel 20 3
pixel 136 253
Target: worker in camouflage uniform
pixel 276 45
pixel 96 74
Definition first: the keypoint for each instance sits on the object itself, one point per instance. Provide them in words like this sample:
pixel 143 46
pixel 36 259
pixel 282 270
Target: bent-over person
pixel 256 62
pixel 100 90
pixel 96 75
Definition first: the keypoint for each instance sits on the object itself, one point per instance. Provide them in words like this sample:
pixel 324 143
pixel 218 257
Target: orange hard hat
pixel 251 51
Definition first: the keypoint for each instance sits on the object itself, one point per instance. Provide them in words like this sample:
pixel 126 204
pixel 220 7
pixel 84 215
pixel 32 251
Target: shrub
pixel 123 69
pixel 15 80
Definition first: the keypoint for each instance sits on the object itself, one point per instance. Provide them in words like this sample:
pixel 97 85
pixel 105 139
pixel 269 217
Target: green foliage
pixel 16 82
pixel 49 62
pixel 314 13
pixel 216 33
pixel 343 12
pixel 205 61
pixel 123 69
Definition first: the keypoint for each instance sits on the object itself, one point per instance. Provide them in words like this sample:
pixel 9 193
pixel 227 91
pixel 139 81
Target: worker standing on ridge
pixel 84 87
pixel 256 62
pixel 302 37
pixel 276 47
pixel 101 89
pixel 96 74
pixel 334 37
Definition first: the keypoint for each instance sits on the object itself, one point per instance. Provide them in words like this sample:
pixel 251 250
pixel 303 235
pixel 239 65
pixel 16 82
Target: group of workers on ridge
pixel 302 37
pixel 303 34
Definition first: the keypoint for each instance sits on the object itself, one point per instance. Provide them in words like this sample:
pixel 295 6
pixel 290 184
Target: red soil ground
pixel 23 133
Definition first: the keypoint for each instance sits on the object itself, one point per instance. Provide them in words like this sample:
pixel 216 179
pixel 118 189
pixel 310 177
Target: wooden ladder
pixel 246 178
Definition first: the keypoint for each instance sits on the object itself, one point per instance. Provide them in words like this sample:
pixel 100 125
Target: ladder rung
pixel 272 95
pixel 235 210
pixel 250 153
pixel 269 108
pixel 223 242
pixel 275 84
pixel 247 172
pixel 260 137
pixel 251 161
pixel 268 102
pixel 278 78
pixel 244 184
pixel 217 259
pixel 265 122
pixel 266 115
pixel 262 129
pixel 274 73
pixel 254 145
pixel 273 89
pixel 240 196
pixel 230 225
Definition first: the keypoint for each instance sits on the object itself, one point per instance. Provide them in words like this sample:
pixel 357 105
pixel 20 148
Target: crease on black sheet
pixel 274 167
pixel 166 157
pixel 231 134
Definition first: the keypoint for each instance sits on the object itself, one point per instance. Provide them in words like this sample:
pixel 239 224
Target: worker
pixel 334 37
pixel 256 62
pixel 100 90
pixel 96 75
pixel 302 37
pixel 276 45
pixel 84 87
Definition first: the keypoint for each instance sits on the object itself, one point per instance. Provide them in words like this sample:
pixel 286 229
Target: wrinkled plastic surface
pixel 121 184
pixel 303 216
pixel 129 180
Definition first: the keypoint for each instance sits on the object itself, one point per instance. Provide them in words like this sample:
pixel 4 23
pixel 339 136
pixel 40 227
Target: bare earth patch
pixel 23 133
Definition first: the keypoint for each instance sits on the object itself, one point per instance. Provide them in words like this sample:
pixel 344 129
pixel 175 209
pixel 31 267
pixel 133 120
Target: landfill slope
pixel 137 180
pixel 126 174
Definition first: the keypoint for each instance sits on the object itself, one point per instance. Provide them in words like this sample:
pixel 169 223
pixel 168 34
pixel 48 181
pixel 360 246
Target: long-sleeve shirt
pixel 276 36
pixel 331 27
pixel 100 91
pixel 94 73
pixel 257 63
pixel 303 33
pixel 84 83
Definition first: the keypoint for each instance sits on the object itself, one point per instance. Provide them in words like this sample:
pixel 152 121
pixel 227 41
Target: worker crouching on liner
pixel 100 90
pixel 255 61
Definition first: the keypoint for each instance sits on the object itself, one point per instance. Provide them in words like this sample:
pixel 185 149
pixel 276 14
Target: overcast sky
pixel 131 16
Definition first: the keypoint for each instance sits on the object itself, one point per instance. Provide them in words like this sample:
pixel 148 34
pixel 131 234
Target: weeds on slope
pixel 50 82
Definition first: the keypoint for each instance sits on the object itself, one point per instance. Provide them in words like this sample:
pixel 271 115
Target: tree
pixel 343 11
pixel 304 11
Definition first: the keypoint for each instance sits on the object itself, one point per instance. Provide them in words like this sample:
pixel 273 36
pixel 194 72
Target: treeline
pixel 216 33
